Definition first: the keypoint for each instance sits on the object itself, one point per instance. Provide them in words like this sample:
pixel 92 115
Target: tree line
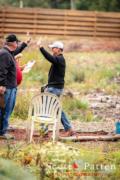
pixel 98 5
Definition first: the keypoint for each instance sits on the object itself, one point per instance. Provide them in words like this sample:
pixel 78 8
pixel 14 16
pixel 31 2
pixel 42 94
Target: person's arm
pixel 49 57
pixel 20 48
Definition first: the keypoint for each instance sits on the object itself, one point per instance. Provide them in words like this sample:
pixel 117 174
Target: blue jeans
pixel 64 119
pixel 10 98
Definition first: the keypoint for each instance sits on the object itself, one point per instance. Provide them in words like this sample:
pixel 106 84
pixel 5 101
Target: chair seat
pixel 43 119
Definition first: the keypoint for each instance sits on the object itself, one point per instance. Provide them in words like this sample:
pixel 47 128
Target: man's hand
pixel 28 38
pixel 39 43
pixel 23 67
pixel 2 89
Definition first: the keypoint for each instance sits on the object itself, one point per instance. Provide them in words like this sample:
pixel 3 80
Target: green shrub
pixel 78 76
pixel 22 105
pixel 75 108
pixel 11 171
pixel 72 104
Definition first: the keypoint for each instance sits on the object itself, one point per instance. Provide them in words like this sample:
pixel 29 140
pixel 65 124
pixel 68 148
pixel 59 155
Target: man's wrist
pixel 41 46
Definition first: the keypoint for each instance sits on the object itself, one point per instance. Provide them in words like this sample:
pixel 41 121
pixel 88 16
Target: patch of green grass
pixel 22 105
pixel 76 109
pixel 78 76
pixel 97 69
pixel 70 104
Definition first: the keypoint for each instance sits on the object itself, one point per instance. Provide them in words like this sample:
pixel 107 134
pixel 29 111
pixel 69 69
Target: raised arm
pixel 49 57
pixel 20 48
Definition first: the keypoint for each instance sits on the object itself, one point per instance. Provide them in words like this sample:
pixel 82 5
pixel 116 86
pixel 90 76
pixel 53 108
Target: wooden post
pixel 21 4
pixel 72 4
pixel 35 23
pixel 65 23
pixel 95 25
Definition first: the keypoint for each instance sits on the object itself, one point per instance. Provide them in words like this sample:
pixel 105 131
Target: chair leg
pixel 55 131
pixel 31 130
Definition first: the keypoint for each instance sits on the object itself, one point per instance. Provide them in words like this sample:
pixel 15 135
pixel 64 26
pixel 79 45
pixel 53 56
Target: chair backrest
pixel 45 105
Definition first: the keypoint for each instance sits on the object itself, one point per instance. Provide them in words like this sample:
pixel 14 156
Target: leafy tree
pixel 114 5
pixel 29 3
pixel 100 5
pixel 38 3
pixel 83 4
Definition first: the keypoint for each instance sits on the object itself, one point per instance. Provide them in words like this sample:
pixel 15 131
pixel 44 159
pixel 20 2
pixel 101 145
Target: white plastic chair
pixel 45 108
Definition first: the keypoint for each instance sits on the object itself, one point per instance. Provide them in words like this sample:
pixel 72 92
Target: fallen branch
pixel 90 138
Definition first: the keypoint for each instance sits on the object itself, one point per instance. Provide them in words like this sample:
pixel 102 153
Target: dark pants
pixel 64 119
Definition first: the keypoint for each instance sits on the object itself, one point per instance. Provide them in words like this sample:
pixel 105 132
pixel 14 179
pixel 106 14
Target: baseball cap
pixel 56 44
pixel 11 38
